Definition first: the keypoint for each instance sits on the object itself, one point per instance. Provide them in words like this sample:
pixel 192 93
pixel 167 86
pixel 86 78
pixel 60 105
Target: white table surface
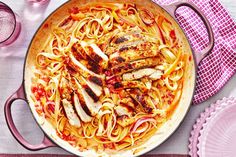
pixel 11 67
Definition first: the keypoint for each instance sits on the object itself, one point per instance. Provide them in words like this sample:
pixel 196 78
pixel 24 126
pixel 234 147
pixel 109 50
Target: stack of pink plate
pixel 214 133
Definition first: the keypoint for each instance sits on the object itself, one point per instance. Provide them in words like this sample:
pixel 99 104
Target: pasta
pixel 109 76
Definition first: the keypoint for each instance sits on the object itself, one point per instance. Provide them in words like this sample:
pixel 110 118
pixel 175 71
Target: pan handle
pixel 19 94
pixel 172 9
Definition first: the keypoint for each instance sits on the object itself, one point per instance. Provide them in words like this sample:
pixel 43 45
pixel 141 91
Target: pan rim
pixel 147 150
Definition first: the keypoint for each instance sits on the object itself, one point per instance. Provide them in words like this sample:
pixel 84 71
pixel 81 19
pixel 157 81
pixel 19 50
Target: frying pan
pixel 50 137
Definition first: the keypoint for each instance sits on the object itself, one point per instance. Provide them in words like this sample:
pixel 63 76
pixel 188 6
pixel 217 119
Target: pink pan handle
pixel 172 9
pixel 19 94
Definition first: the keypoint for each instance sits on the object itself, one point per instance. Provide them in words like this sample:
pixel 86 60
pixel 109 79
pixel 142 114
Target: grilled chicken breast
pixel 91 104
pixel 130 57
pixel 70 113
pixel 80 111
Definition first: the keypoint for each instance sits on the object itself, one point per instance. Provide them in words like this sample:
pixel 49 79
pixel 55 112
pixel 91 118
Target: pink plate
pixel 218 135
pixel 195 133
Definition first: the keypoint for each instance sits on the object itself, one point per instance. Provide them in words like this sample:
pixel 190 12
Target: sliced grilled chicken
pixel 96 89
pixel 129 34
pixel 92 66
pixel 132 38
pixel 105 40
pixel 78 91
pixel 132 45
pixel 128 55
pixel 141 100
pixel 99 52
pixel 135 40
pixel 70 113
pixel 65 89
pixel 87 88
pixel 156 75
pixel 138 105
pixel 91 88
pixel 95 53
pixel 139 42
pixel 122 111
pixel 96 80
pixel 134 75
pixel 122 38
pixel 82 70
pixel 80 67
pixel 91 105
pixel 149 72
pixel 125 107
pixel 80 111
pixel 80 54
pixel 129 85
pixel 129 66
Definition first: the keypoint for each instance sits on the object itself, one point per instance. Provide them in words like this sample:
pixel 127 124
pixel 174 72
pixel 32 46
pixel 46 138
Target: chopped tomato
pixel 38 91
pixel 74 10
pixel 172 34
pixel 41 92
pixel 34 89
pixel 46 79
pixel 109 145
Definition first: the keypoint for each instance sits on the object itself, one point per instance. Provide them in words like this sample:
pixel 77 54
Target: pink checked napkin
pixel 220 65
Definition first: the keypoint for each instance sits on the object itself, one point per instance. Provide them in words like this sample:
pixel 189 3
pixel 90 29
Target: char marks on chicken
pixel 129 58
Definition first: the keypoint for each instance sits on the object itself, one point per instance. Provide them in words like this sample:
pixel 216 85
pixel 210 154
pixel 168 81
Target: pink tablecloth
pixel 220 65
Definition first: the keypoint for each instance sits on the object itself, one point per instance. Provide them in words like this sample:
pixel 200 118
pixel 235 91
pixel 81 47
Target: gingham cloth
pixel 220 65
